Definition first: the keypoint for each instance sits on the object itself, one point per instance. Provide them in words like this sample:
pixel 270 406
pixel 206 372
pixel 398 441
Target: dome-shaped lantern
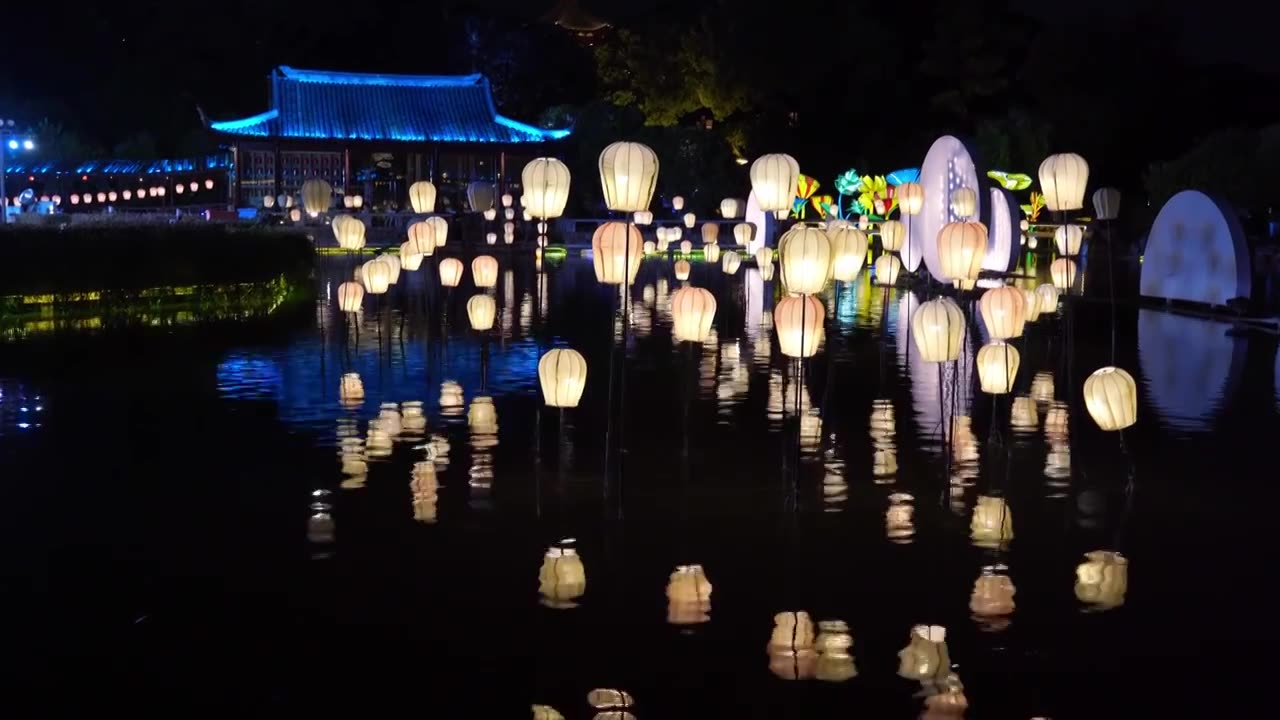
pixel 686 247
pixel 349 232
pixel 491 238
pixel 730 262
pixel 744 234
pixel 805 256
pixel 773 180
pixel 491 214
pixel 628 175
pixel 451 270
pixel 484 271
pixel 393 262
pixel 376 276
pixel 964 202
pixel 317 196
pixel 1003 312
pixel 798 321
pixel 961 248
pixel 731 208
pixel 1030 305
pixel 998 367
pixel 1063 272
pixel 710 231
pixel 439 229
pixel 642 217
pixel 350 297
pixel 886 269
pixel 102 197
pixel 422 197
pixel 677 203
pixel 1062 181
pixel 1047 298
pixel 938 330
pixel 1068 238
pixel 616 251
pixel 546 187
pixel 892 235
pixel 111 196
pixel 1111 397
pixel 481 310
pixel 562 372
pixel 682 269
pixel 1106 203
pixel 423 237
pixel 693 310
pixel 910 198
pixel 711 253
pixel 848 251
pixel 690 220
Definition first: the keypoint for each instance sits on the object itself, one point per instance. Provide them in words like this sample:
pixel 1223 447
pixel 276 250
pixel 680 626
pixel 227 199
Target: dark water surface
pixel 182 530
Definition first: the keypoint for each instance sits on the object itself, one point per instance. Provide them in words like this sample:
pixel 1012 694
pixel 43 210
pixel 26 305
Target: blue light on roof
pixel 253 125
pixel 522 127
pixel 350 78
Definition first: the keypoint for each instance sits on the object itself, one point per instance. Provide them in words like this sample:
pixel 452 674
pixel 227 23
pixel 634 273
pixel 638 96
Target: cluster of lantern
pixel 796 653
pixel 351 202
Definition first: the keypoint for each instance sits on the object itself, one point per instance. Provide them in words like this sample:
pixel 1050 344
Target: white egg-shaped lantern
pixel 1063 272
pixel 422 197
pixel 682 269
pixel 711 253
pixel 892 235
pixel 744 234
pixel 410 258
pixel 938 328
pixel 562 373
pixel 350 297
pixel 886 269
pixel 295 215
pixel 376 276
pixel 642 217
pixel 649 248
pixel 628 175
pixel 393 262
pixel 998 363
pixel 677 203
pixel 1062 181
pixel 1111 397
pixel 179 189
pixel 910 198
pixel 730 262
pixel 686 247
pixel 546 187
pixel 690 220
pixel 710 231
pixel 208 184
pixel 484 271
pixel 692 312
pixel 848 252
pixel 128 195
pixel 481 311
pixel 357 201
pixel 1030 305
pixel 764 257
pixel 349 232
pixel 111 196
pixel 805 256
pixel 798 321
pixel 491 238
pixel 509 213
pixel 731 208
pixel 451 271
pixel 102 197
pixel 1004 312
pixel 773 180
pixel 507 200
pixel 348 202
pixel 616 251
pixel 1068 239
pixel 317 195
pixel 1106 203
pixel 961 248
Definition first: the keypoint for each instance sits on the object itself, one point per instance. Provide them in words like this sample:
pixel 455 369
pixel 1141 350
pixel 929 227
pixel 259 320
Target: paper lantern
pixel 546 187
pixel 350 389
pixel 349 232
pixel 507 199
pixel 616 249
pixel 392 261
pixel 998 367
pixel 484 271
pixel 179 189
pixel 102 197
pixel 193 186
pixel 1042 387
pixel 729 262
pixel 925 655
pixel 479 197
pixel 491 214
pixel 481 310
pixel 350 297
pixel 111 196
pixel 1023 414
pixel 686 247
pixel 509 228
pixel 1030 305
pixel 848 250
pixel 562 372
pixel 910 198
pixel 1068 239
pixel 744 234
pixel 690 220
pixel 1102 579
pixel 348 201
pixel 357 201
pixel 1047 298
pixel 792 631
pixel 423 237
pixel 376 276
pixel 710 231
pixel 410 258
pixel 208 184
pixel 1106 203
pixel 562 579
pixel 1062 181
pixel 317 195
pixel 451 270
pixel 75 200
pixel 1111 397
pixel 128 195
pixel 892 235
pixel 805 256
pixel 628 175
pixel 764 258
pixel 491 238
pixel 711 253
pixel 649 248
pixel 642 217
pixel 688 596
pixel 731 208
pixel 677 203
pixel 439 229
pixel 682 268
pixel 961 247
pixel 992 523
pixel 509 213
pixel 964 202
pixel 692 312
pixel 938 328
pixel 1003 312
pixel 295 215
pixel 160 190
pixel 886 269
pixel 422 197
pixel 773 180
pixel 1063 272
pixel 798 321
pixel 541 241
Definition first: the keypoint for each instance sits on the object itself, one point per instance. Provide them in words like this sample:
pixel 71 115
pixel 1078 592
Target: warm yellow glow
pixel 422 197
pixel 798 321
pixel 1047 298
pixel 351 390
pixel 642 217
pixel 925 655
pixel 484 271
pixel 1023 414
pixel 690 220
pixel 410 258
pixel 731 208
pixel 1042 388
pixel 886 268
pixel 491 214
pixel 423 237
pixel 628 175
pixel 744 234
pixel 998 367
pixel 1068 239
pixel 964 202
pixel 1063 272
pixel 349 232
pixel 1062 181
pixel 992 522
pixel 562 579
pixel 317 195
pixel 1003 312
pixel 481 311
pixel 616 249
pixel 562 373
pixel 677 203
pixel 451 271
pixel 773 180
pixel 804 254
pixel 833 644
pixel 1102 579
pixel 893 235
pixel 848 250
pixel 910 198
pixel 688 596
pixel 938 328
pixel 350 297
pixel 682 268
pixel 710 231
pixel 1111 396
pixel 546 187
pixel 376 276
pixel 1030 304
pixel 692 312
pixel 961 248
pixel 439 229
pixel 992 594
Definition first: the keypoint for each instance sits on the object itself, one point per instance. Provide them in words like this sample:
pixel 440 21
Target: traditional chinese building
pixel 375 134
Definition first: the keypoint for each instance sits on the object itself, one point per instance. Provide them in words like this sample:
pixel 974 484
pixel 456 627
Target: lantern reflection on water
pixel 1102 579
pixel 992 597
pixel 833 644
pixel 562 579
pixel 451 398
pixel 925 657
pixel 791 653
pixel 351 390
pixel 992 523
pixel 688 596
pixel 899 523
pixel 424 490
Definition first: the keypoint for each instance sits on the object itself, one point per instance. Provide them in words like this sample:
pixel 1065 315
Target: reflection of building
pixel 569 15
pixel 373 135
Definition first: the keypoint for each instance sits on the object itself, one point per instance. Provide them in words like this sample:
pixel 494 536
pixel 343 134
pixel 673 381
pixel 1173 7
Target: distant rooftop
pixel 323 104
pixel 122 167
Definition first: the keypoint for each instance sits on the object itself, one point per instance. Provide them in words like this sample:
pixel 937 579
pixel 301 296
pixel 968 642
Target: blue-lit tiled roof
pixel 124 167
pixel 360 106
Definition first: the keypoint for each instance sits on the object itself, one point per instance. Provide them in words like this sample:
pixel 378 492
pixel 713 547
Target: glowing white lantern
pixel 848 250
pixel 938 329
pixel 961 247
pixel 992 523
pixel 1031 305
pixel 422 197
pixel 1003 312
pixel 682 269
pixel 128 195
pixel 562 579
pixel 348 201
pixel 194 186
pixel 616 249
pixel 649 248
pixel 1111 396
pixel 422 235
pixel 1063 272
pixel 295 215
pixel 102 197
pixel 1068 239
pixel 546 187
pixel 710 231
pixel 729 262
pixel 1106 203
pixel 686 247
pixel 509 228
pixel 998 367
pixel 1102 579
pixel 642 217
pixel 349 232
pixel 692 312
pixel 491 238
pixel 481 310
pixel 628 175
pixel 160 190
pixel 75 200
pixel 910 198
pixel 357 201
pixel 491 214
pixel 886 268
pixel 111 196
pixel 451 270
pixel 484 271
pixel 798 321
pixel 509 213
pixel 350 297
pixel 964 202
pixel 1047 298
pixel 317 195
pixel 1062 181
pixel 179 189
pixel 690 220
pixel 562 372
pixel 992 594
pixel 439 229
pixel 711 253
pixel 507 200
pixel 805 256
pixel 744 234
pixel 376 276
pixel 773 180
pixel 208 184
pixel 410 258
pixel 688 596
pixel 393 261
pixel 731 208
pixel 892 235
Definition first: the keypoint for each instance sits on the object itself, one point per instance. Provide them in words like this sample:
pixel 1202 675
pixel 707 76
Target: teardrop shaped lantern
pixel 1047 298
pixel 422 197
pixel 350 297
pixel 376 276
pixel 410 258
pixel 805 256
pixel 1111 397
pixel 677 203
pixel 711 253
pixel 484 271
pixel 317 195
pixel 628 175
pixel 961 248
pixel 1106 203
pixel 1068 239
pixel 1030 304
pixel 1003 312
pixel 693 310
pixel 491 214
pixel 562 373
pixel 998 363
pixel 886 269
pixel 848 250
pixel 546 187
pixel 798 322
pixel 349 232
pixel 1062 181
pixel 481 311
pixel 774 179
pixel 938 330
pixel 892 235
pixel 616 249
